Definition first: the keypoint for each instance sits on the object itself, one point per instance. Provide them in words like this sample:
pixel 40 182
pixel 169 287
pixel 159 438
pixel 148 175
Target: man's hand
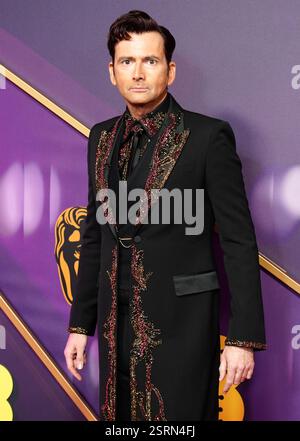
pixel 75 354
pixel 238 362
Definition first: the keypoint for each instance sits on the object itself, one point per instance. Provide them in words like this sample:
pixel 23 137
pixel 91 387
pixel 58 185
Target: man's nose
pixel 138 71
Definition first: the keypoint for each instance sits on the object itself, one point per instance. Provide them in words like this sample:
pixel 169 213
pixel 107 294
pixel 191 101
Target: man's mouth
pixel 139 89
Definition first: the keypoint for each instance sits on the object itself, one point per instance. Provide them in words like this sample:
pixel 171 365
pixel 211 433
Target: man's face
pixel 141 62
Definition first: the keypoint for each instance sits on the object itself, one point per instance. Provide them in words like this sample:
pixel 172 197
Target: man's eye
pixel 152 61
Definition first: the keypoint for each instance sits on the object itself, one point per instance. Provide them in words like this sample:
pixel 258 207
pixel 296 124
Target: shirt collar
pixel 151 121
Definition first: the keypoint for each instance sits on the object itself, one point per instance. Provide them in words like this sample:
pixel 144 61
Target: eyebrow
pixel 132 58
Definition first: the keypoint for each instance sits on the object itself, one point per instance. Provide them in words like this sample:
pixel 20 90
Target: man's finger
pixel 229 379
pixel 71 366
pixel 79 362
pixel 222 369
pixel 244 375
pixel 238 375
pixel 249 374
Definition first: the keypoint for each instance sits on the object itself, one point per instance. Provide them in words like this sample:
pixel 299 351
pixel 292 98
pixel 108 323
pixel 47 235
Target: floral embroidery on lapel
pixel 105 145
pixel 165 155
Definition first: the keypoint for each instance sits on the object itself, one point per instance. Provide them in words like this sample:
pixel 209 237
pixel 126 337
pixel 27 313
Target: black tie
pixel 134 146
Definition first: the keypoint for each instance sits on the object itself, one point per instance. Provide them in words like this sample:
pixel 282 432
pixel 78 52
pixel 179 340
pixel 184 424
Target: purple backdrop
pixel 238 61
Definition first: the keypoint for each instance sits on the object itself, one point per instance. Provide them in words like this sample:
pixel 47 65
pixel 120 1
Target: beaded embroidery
pixel 150 124
pixel 102 153
pixel 166 153
pixel 146 339
pixel 109 332
pixel 246 344
pixel 77 330
pixel 125 153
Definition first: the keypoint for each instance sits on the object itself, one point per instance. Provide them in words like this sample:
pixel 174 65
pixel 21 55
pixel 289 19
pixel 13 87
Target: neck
pixel 137 111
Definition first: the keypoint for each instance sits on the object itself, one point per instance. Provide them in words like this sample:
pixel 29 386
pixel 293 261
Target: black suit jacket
pixel 174 309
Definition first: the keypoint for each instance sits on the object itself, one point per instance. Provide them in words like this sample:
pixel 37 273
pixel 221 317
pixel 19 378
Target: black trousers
pixel 123 347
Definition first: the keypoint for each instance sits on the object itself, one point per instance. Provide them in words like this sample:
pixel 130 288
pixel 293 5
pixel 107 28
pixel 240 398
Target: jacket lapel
pixel 106 145
pixel 163 158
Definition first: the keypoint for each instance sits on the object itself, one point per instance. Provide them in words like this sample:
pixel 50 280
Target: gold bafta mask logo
pixel 67 247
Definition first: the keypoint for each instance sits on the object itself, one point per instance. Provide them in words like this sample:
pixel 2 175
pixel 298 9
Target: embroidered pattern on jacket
pixel 103 150
pixel 109 407
pixel 150 124
pixel 77 330
pixel 246 344
pixel 165 155
pixel 146 339
pixel 125 153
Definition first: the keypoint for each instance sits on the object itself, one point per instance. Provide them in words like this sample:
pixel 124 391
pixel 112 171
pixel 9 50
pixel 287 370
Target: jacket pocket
pixel 195 283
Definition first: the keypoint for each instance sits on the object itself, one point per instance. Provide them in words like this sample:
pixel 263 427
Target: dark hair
pixel 138 22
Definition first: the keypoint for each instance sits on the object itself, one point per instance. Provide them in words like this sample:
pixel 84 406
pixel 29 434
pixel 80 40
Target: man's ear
pixel 111 73
pixel 172 72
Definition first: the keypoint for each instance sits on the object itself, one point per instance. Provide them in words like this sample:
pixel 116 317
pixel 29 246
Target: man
pixel 152 289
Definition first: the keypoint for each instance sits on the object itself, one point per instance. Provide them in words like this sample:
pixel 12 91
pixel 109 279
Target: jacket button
pixel 137 238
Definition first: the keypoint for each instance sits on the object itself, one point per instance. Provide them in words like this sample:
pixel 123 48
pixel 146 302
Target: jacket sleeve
pixel 83 313
pixel 226 192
